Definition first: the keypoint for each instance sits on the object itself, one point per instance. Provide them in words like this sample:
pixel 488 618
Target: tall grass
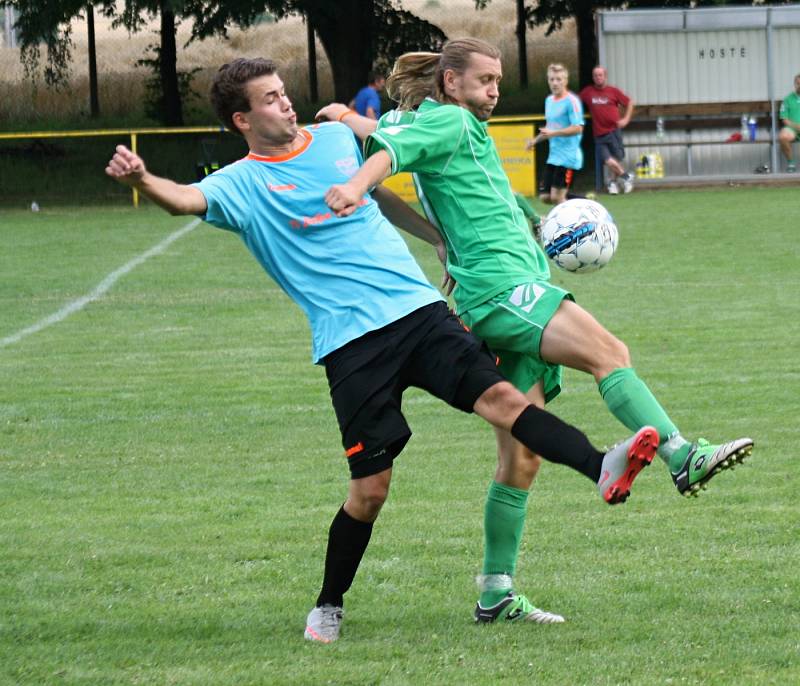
pixel 27 105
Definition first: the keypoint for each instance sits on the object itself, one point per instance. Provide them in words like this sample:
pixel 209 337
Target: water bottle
pixel 744 130
pixel 751 127
pixel 660 127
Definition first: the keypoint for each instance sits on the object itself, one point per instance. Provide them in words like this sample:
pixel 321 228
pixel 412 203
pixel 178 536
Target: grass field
pixel 169 465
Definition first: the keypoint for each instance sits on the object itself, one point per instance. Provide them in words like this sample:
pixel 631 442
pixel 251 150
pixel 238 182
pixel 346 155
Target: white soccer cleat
pixel 623 462
pixel 324 623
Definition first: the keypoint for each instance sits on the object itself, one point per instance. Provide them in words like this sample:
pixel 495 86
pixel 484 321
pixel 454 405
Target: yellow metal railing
pixel 132 133
pixel 518 173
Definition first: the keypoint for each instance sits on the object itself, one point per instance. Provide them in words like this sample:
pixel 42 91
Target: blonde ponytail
pixel 418 75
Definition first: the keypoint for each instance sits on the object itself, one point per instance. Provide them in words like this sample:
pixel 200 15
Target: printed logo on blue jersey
pixel 348 166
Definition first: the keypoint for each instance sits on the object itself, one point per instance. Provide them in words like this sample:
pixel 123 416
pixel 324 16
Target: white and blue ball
pixel 579 235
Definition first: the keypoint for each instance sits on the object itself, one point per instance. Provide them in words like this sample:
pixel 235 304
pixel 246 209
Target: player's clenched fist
pixel 343 199
pixel 126 166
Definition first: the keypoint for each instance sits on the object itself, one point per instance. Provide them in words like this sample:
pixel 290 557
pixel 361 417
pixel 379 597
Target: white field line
pixel 100 289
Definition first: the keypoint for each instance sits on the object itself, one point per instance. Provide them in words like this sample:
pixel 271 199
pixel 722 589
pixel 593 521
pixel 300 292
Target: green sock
pixel 504 519
pixel 631 401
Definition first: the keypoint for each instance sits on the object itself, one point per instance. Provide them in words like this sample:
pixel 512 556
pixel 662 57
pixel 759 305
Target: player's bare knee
pixel 528 466
pixel 366 504
pixel 366 497
pixel 505 398
pixel 620 353
pixel 501 404
pixel 609 353
pixel 517 466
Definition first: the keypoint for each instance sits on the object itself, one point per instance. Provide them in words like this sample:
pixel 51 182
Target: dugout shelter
pixel 697 76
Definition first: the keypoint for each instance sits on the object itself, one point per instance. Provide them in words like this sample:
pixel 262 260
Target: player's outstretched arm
pixel 401 215
pixel 129 169
pixel 361 126
pixel 344 199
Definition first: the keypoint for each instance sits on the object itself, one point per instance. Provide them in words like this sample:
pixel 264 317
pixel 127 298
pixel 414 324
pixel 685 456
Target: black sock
pixel 347 541
pixel 556 441
pixel 575 196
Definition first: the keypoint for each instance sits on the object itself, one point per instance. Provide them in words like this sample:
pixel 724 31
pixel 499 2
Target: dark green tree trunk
pixel 587 41
pixel 522 50
pixel 94 98
pixel 348 44
pixel 168 68
pixel 313 90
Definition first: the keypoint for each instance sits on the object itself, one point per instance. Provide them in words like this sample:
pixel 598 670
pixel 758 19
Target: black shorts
pixel 556 177
pixel 430 349
pixel 609 145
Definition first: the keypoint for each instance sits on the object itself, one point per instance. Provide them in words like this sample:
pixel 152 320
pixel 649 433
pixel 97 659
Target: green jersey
pixel 465 192
pixel 790 108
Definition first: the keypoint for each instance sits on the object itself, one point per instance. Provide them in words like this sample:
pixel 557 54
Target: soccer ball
pixel 579 235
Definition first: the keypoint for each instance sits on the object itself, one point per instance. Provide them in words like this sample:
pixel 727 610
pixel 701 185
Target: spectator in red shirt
pixel 611 111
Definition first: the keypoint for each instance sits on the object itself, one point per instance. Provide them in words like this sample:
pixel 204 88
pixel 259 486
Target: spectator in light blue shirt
pixel 563 130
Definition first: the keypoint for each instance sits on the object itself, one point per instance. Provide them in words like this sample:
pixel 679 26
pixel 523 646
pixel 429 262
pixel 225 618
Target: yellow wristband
pixel 344 114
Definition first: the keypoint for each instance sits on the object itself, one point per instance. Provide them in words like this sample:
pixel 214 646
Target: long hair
pixel 418 75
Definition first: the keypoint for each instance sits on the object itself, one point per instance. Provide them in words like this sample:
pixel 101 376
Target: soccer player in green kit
pixel 502 288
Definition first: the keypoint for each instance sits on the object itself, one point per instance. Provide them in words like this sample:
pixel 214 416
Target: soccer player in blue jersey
pixel 563 130
pixel 377 325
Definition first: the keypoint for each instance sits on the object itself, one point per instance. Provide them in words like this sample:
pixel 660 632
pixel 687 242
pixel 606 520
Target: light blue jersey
pixel 349 275
pixel 565 151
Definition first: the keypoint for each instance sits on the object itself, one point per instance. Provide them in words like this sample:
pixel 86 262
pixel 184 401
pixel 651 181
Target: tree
pixel 49 22
pixel 522 47
pixel 167 89
pixel 357 35
pixel 524 19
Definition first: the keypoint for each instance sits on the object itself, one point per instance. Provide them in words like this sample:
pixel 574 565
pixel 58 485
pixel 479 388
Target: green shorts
pixel 791 130
pixel 511 324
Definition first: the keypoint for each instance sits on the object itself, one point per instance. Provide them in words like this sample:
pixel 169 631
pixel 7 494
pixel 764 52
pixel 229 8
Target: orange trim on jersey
pixel 357 448
pixel 289 155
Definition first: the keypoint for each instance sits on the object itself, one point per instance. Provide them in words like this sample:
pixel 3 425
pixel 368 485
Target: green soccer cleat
pixel 704 461
pixel 514 608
